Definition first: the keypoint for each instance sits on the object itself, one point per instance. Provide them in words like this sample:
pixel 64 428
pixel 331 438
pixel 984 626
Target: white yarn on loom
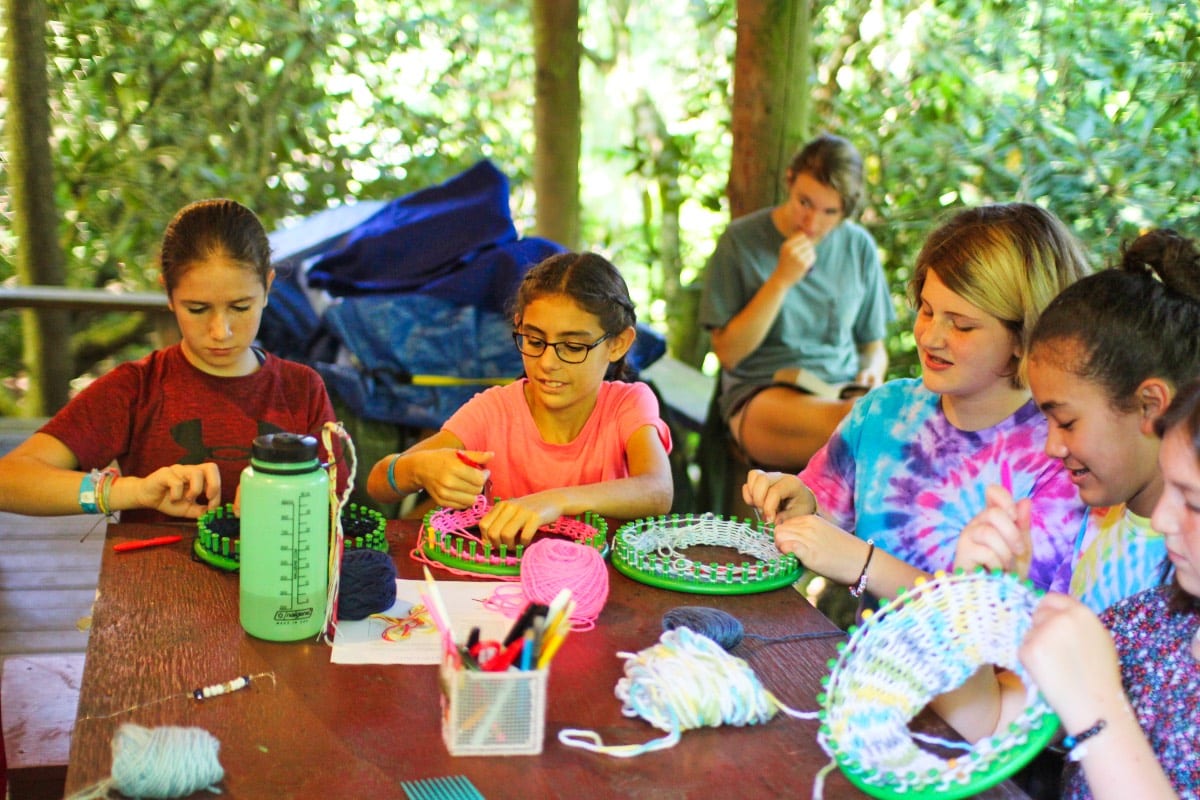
pixel 159 763
pixel 685 681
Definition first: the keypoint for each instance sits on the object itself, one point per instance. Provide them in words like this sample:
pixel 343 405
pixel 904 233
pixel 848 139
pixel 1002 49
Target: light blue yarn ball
pixel 164 762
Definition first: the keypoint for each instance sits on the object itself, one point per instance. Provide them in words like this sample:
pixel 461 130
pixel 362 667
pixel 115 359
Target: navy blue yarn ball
pixel 367 585
pixel 720 626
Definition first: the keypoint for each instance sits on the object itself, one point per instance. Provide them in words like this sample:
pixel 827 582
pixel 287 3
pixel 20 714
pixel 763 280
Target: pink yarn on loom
pixel 549 565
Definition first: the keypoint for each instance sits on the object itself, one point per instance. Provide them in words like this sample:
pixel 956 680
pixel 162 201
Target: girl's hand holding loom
pixel 515 521
pixel 823 547
pixel 1071 657
pixel 779 496
pixel 998 537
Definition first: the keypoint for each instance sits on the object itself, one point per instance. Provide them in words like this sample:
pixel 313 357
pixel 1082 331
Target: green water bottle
pixel 284 572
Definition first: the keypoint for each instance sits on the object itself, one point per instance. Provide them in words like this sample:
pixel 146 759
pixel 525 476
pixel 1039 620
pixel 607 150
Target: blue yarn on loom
pixel 367 585
pixel 726 629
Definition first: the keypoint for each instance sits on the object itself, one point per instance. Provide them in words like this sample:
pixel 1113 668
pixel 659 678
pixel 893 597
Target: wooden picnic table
pixel 165 624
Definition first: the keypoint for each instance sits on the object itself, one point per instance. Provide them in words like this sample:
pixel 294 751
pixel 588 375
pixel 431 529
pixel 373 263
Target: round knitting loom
pixel 218 534
pixel 651 551
pixel 451 538
pixel 925 642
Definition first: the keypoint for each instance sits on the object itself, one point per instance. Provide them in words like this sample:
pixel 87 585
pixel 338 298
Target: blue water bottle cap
pixel 284 448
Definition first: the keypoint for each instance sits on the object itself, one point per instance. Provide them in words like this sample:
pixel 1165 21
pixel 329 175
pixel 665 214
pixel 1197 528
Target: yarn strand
pixel 336 534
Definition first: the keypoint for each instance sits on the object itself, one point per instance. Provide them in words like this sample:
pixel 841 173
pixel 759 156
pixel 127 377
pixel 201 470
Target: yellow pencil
pixel 555 634
pixel 550 648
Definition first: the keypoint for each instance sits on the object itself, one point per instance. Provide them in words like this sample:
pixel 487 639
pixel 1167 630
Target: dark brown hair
pixel 214 227
pixel 1123 325
pixel 1183 413
pixel 834 162
pixel 592 282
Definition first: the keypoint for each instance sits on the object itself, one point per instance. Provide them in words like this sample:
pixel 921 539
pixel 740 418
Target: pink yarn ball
pixel 550 565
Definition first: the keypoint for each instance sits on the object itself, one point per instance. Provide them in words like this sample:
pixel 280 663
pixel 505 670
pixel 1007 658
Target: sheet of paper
pixel 383 638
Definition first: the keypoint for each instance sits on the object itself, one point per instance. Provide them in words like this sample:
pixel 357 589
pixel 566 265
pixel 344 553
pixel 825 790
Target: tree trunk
pixel 771 75
pixel 661 169
pixel 557 120
pixel 35 221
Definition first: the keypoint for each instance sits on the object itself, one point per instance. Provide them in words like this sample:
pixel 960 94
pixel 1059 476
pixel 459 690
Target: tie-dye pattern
pixel 1121 556
pixel 898 472
pixel 1162 680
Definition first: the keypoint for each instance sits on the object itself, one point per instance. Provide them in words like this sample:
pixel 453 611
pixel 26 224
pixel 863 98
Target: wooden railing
pixel 63 297
pixel 72 299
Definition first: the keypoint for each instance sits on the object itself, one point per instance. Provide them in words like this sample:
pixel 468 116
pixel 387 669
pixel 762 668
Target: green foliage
pixel 1087 107
pixel 288 107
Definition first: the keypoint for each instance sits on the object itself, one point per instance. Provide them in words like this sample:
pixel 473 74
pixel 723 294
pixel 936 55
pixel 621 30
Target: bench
pixel 41 696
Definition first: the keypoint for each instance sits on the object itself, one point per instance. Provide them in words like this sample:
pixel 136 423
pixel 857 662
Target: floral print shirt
pixel 1162 681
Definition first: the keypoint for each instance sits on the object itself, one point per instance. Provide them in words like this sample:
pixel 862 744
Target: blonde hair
pixel 1009 259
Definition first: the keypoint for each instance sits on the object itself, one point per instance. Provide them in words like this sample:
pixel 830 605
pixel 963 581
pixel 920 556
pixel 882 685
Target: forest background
pixel 1087 107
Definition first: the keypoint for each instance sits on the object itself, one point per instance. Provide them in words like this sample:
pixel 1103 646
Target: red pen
pixel 464 458
pixel 470 462
pixel 142 543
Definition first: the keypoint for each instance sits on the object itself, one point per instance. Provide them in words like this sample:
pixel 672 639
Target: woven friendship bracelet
pixel 94 491
pixel 87 494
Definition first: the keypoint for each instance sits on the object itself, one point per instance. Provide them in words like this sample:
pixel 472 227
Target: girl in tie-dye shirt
pixel 885 499
pixel 1124 686
pixel 1105 359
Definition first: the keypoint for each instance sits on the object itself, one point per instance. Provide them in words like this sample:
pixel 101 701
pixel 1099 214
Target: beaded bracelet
pixel 1076 745
pixel 860 585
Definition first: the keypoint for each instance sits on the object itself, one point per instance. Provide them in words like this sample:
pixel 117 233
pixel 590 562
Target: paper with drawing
pixel 398 636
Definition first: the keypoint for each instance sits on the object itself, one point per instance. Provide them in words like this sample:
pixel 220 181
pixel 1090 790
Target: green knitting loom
pixel 218 534
pixel 651 551
pixel 925 642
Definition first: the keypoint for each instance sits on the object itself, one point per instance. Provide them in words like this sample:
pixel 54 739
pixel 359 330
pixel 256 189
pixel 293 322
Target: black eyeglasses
pixel 567 352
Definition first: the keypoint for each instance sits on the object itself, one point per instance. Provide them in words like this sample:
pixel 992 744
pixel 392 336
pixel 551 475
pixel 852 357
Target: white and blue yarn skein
pixel 685 681
pixel 160 763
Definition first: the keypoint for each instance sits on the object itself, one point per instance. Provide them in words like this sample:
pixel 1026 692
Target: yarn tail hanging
pixel 329 431
pixel 726 629
pixel 165 762
pixel 685 681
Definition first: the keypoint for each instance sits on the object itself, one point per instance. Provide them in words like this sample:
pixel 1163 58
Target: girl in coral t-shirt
pixel 561 440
